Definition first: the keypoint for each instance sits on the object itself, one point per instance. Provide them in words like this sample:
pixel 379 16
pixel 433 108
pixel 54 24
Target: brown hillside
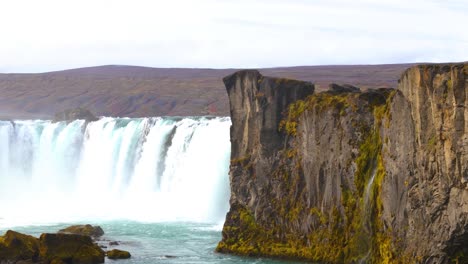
pixel 140 91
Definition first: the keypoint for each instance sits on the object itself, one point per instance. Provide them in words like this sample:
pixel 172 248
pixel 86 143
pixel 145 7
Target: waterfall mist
pixel 145 169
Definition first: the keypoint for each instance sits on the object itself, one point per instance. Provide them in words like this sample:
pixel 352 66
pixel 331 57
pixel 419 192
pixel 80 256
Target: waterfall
pixel 367 216
pixel 143 169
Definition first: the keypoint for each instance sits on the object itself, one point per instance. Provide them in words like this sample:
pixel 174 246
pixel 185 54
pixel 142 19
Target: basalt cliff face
pixel 346 176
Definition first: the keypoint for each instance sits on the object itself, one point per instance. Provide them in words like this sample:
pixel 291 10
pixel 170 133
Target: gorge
pixel 349 176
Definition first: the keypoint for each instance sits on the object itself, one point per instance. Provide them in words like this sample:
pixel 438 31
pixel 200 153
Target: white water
pixel 367 195
pixel 147 169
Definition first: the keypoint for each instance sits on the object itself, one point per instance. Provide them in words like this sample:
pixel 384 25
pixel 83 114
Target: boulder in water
pixel 74 114
pixel 85 230
pixel 15 247
pixel 118 254
pixel 69 248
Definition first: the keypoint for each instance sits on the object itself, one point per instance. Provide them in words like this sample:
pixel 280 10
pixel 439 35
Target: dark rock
pixel 345 88
pixel 258 103
pixel 114 243
pixel 74 114
pixel 15 246
pixel 49 248
pixel 86 230
pixel 29 261
pixel 57 261
pixel 376 177
pixel 70 248
pixel 118 254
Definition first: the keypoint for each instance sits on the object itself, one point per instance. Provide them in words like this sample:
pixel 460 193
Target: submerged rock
pixel 86 230
pixel 74 114
pixel 118 254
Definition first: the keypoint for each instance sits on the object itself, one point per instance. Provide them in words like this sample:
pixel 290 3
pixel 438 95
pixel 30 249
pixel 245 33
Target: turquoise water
pixel 153 242
pixel 170 172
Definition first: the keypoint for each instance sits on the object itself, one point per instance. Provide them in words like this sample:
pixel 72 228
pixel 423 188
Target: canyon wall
pixel 345 176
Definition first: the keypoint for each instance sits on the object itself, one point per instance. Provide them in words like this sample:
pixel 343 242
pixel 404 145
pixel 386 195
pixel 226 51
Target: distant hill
pixel 141 91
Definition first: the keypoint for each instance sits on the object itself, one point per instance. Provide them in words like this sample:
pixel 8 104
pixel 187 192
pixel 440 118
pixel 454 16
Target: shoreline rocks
pixel 15 246
pixel 72 245
pixel 49 248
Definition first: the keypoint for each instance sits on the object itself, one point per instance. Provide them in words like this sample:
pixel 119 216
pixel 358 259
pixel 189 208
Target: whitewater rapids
pixel 142 169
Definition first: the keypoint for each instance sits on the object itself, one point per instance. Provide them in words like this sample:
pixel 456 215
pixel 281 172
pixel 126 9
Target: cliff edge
pixel 345 176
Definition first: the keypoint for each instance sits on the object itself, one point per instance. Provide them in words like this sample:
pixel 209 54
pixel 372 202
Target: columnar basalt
pixel 347 176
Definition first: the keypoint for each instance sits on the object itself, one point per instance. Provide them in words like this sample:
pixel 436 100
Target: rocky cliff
pixel 346 176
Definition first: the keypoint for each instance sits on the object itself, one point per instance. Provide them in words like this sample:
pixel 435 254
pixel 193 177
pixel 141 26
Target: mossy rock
pixel 85 230
pixel 118 254
pixel 69 248
pixel 15 246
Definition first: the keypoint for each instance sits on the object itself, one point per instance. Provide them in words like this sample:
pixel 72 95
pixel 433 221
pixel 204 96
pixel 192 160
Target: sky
pixel 48 35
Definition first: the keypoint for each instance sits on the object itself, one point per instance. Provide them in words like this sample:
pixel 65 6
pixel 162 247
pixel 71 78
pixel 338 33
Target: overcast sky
pixel 38 36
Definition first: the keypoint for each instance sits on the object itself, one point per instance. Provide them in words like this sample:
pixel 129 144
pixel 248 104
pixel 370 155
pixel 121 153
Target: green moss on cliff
pixel 353 230
pixel 320 102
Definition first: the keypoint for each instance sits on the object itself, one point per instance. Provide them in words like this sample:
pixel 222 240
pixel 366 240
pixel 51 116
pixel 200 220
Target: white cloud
pixel 55 34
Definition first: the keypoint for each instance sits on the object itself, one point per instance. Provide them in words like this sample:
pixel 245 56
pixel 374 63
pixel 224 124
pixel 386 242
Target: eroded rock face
pixel 377 176
pixel 257 104
pixel 437 189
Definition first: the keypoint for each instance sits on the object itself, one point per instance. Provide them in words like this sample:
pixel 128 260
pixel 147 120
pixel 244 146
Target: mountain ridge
pixel 138 91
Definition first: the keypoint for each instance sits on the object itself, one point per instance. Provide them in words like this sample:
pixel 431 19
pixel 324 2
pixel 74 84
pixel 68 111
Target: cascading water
pixel 367 216
pixel 145 169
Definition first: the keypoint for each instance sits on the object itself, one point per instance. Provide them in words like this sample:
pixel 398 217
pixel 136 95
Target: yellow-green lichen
pixel 351 232
pixel 319 102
